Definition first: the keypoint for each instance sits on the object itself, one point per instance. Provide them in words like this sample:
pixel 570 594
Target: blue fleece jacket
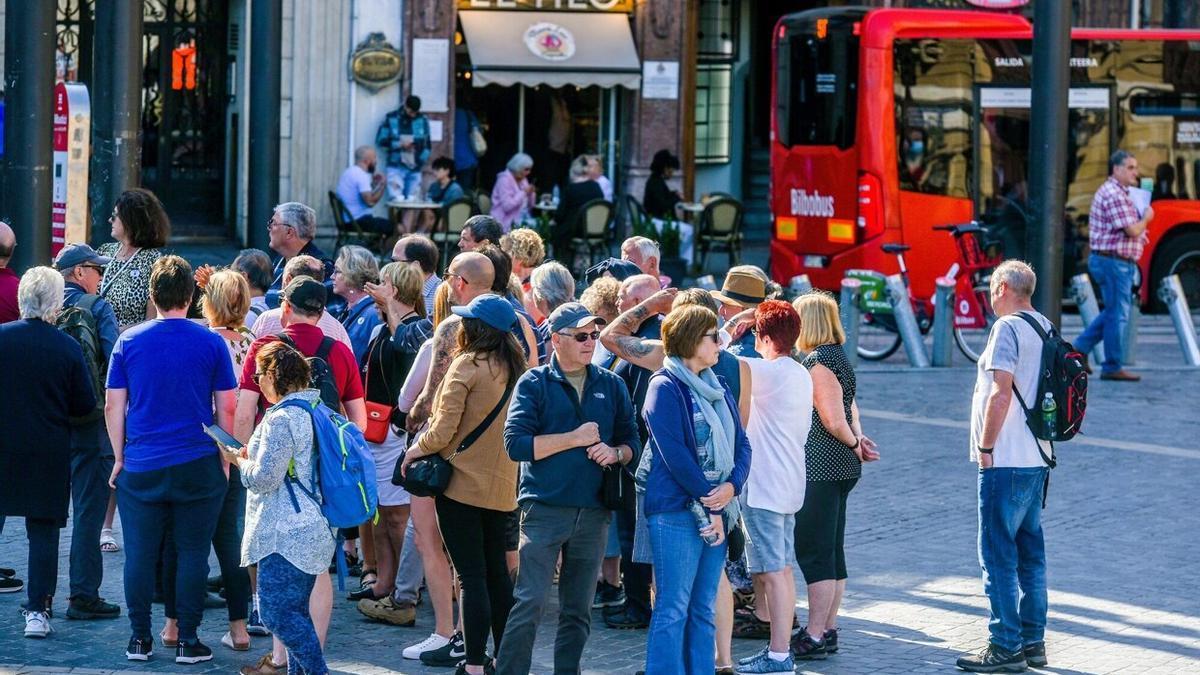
pixel 544 402
pixel 675 475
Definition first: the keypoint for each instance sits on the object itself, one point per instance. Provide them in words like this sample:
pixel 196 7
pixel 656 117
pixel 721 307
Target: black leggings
pixel 475 540
pixel 821 530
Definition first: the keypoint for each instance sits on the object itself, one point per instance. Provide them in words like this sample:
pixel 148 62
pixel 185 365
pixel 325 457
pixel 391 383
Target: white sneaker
pixel 434 641
pixel 37 624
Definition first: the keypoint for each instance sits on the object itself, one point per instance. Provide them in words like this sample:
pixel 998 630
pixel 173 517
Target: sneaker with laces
pixel 608 596
pixel 388 611
pixel 448 655
pixel 434 641
pixel 37 624
pixel 755 655
pixel 255 626
pixel 1035 655
pixel 993 659
pixel 192 651
pixel 11 585
pixel 805 648
pixel 92 608
pixel 139 648
pixel 831 637
pixel 763 663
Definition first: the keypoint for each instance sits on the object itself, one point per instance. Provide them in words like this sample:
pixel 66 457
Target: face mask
pixel 371 167
pixel 916 149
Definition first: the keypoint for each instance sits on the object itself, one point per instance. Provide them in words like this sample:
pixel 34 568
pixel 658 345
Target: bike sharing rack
pixel 1085 300
pixel 1170 291
pixel 906 321
pixel 943 322
pixel 848 309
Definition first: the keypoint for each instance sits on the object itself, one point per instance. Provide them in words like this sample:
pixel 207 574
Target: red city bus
pixel 888 122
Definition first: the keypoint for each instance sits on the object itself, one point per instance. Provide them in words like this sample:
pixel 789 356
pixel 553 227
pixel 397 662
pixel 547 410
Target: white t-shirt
pixel 351 186
pixel 1014 347
pixel 781 403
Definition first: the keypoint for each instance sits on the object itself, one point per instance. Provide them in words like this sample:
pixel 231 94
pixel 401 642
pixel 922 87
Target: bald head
pixel 636 289
pixel 472 276
pixel 8 241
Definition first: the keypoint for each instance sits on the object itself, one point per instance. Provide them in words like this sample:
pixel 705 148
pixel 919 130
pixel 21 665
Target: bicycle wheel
pixel 972 341
pixel 877 336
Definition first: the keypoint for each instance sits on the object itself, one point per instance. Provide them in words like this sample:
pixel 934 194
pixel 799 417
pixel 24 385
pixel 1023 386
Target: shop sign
pixel 69 187
pixel 375 63
pixel 551 5
pixel 550 41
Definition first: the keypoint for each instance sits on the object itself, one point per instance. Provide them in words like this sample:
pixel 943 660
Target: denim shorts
pixel 769 539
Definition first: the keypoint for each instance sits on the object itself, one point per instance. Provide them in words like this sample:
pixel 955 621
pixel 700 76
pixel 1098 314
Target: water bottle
pixel 702 521
pixel 1050 416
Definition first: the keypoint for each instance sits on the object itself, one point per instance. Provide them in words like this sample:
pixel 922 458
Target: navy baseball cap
pixel 619 269
pixel 572 315
pixel 78 254
pixel 491 309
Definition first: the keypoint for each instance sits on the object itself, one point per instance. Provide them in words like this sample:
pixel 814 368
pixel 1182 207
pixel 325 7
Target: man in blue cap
pixel 568 421
pixel 95 328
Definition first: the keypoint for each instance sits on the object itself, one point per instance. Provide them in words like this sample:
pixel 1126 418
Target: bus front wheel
pixel 1178 255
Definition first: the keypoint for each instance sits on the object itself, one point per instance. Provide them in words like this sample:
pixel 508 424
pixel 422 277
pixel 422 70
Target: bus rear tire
pixel 1178 255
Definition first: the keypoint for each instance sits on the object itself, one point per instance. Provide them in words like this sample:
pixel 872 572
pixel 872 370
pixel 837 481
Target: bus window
pixel 934 89
pixel 817 97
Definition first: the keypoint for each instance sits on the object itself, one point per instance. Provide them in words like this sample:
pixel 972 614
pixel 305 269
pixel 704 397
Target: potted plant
pixel 671 265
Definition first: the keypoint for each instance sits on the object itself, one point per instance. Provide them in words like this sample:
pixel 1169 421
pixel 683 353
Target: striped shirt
pixel 1112 212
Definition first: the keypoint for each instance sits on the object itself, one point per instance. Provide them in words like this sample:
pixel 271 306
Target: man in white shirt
pixel 781 401
pixel 270 322
pixel 1012 480
pixel 360 189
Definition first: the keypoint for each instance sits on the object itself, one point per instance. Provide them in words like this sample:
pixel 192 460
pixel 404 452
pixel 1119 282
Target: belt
pixel 1110 254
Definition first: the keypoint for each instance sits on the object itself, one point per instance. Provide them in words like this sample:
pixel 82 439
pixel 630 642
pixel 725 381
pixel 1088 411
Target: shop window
pixel 713 98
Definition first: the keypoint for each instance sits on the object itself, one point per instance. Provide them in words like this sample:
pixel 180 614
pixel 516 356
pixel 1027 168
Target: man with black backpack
pixel 1013 474
pixel 90 321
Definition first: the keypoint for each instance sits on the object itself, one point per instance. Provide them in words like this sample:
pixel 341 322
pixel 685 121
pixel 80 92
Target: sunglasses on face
pixel 714 336
pixel 583 337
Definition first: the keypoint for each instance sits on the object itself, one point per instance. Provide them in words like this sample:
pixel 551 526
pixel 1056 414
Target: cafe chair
pixel 721 225
pixel 593 229
pixel 451 218
pixel 484 200
pixel 637 220
pixel 348 231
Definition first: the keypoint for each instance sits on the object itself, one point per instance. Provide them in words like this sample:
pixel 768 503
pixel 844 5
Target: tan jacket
pixel 483 475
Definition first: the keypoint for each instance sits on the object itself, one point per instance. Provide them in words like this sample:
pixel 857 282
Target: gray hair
pixel 360 153
pixel 1117 159
pixel 579 167
pixel 300 217
pixel 40 294
pixel 1017 275
pixel 520 161
pixel 552 284
pixel 645 246
pixel 358 266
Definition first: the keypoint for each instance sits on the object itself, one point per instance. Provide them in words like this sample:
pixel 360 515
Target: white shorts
pixel 387 454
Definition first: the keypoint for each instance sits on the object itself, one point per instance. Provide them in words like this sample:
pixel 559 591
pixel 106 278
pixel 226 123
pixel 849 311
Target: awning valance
pixel 552 48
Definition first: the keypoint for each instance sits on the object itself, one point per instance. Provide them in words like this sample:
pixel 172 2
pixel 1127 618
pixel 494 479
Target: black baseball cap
pixel 306 294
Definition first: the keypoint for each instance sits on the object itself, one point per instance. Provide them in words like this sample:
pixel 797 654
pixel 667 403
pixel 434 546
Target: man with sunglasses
pixel 568 420
pixel 91 451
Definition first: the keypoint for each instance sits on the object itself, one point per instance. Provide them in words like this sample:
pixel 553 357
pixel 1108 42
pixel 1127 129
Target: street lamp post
pixel 266 40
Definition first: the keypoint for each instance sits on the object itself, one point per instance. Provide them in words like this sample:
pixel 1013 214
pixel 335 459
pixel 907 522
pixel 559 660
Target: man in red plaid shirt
pixel 1117 236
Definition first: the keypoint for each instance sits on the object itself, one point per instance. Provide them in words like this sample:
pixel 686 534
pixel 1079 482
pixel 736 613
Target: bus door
pixel 1001 141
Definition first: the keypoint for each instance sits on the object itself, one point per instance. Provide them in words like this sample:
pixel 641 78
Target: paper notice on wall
pixel 660 79
pixel 435 131
pixel 431 73
pixel 1141 199
pixel 1187 132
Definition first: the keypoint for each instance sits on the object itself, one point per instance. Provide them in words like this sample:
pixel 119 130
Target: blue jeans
pixel 1115 278
pixel 90 470
pixel 1012 553
pixel 188 496
pixel 403 182
pixel 686 572
pixel 283 592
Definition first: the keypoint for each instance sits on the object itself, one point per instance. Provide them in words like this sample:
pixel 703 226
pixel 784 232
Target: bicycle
pixel 878 336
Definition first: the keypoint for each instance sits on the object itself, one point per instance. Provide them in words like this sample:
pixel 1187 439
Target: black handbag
pixel 617 493
pixel 430 476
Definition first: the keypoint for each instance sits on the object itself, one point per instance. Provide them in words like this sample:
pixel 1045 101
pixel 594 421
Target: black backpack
pixel 322 373
pixel 1063 377
pixel 79 323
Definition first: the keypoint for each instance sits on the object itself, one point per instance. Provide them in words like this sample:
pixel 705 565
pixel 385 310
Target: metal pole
pixel 906 322
pixel 1048 143
pixel 117 92
pixel 266 39
pixel 943 323
pixel 28 129
pixel 1171 293
pixel 848 310
pixel 520 118
pixel 1129 354
pixel 1089 309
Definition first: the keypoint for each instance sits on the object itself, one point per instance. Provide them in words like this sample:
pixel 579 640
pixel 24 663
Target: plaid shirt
pixel 1112 212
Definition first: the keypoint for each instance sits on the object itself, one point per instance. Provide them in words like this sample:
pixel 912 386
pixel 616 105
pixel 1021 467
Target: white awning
pixel 584 49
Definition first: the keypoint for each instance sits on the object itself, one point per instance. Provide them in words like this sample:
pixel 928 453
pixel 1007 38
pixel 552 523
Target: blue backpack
pixel 344 473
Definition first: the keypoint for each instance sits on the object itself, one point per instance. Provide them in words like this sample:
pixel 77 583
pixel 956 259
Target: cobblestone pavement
pixel 1121 528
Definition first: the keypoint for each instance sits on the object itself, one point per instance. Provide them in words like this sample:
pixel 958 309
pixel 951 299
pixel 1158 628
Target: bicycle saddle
pixel 895 248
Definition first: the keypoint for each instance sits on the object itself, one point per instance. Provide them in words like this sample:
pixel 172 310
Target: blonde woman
pixel 834 454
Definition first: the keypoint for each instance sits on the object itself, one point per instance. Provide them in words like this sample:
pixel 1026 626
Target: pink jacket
pixel 509 199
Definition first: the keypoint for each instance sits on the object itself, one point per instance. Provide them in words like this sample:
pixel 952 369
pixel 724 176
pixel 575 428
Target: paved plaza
pixel 1122 536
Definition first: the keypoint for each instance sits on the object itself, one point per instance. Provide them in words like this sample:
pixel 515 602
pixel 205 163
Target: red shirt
pixel 308 340
pixel 8 295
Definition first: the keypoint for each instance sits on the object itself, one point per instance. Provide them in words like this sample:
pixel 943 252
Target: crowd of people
pixel 665 455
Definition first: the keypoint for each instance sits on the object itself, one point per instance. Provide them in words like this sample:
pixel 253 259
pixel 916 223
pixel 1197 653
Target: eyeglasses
pixel 450 275
pixel 271 224
pixel 583 337
pixel 714 336
pixel 90 266
pixel 258 375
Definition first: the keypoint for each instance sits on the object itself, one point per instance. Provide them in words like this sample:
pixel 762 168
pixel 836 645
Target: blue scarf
pixel 709 395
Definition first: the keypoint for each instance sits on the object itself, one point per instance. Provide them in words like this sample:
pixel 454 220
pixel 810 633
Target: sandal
pixel 227 640
pixel 168 643
pixel 365 587
pixel 108 544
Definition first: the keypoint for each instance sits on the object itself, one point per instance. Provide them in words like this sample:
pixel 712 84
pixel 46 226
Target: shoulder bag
pixel 430 476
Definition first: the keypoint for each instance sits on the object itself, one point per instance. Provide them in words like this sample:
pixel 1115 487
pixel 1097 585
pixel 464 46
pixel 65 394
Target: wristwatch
pixel 984 451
